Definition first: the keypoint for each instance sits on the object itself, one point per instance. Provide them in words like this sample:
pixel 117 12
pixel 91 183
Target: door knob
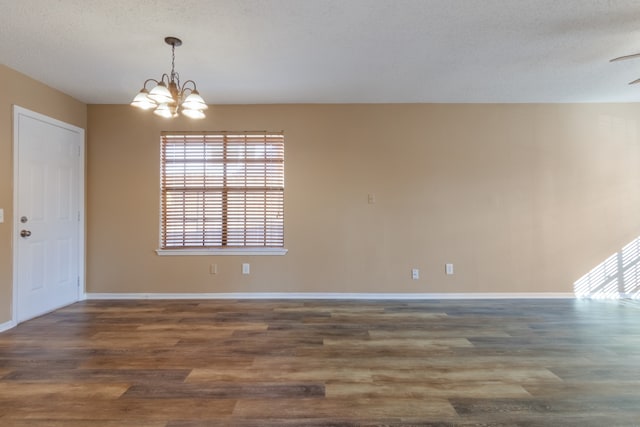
pixel 25 233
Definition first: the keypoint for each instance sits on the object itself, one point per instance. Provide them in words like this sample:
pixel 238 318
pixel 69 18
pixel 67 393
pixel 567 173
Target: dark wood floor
pixel 324 363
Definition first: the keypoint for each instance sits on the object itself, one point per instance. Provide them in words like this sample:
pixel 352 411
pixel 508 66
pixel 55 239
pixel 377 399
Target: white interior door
pixel 48 220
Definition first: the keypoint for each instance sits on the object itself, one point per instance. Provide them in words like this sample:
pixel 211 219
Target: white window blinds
pixel 222 190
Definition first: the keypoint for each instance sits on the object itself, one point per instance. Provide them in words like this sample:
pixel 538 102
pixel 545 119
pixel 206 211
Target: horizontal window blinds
pixel 222 190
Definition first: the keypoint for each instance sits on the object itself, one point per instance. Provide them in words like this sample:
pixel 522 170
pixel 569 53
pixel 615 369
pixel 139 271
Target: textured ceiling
pixel 331 51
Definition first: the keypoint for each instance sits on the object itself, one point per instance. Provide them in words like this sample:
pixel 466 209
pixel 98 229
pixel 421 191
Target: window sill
pixel 234 251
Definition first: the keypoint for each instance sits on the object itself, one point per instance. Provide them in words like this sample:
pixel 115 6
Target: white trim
pixel 613 296
pixel 630 296
pixel 17 112
pixel 7 325
pixel 235 251
pixel 328 295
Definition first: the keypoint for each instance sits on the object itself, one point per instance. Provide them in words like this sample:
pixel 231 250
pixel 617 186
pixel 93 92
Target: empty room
pixel 319 213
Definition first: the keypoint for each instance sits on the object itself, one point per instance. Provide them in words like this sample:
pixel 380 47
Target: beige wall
pixel 17 89
pixel 520 198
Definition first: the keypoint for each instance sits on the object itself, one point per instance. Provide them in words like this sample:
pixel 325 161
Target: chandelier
pixel 168 97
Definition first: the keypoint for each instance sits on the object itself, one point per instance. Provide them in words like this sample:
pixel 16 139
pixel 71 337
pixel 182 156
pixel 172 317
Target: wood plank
pixel 131 409
pixel 81 423
pixel 158 377
pixel 15 390
pixel 352 408
pixel 232 390
pixel 285 374
pixel 426 390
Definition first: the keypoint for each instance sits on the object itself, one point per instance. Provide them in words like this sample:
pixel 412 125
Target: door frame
pixel 19 112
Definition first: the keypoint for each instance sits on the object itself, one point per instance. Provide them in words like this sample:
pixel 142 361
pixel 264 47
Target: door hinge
pixel 78 216
pixel 78 282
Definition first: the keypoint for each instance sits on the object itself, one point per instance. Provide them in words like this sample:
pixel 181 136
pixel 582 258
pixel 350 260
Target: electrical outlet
pixel 415 274
pixel 448 268
pixel 213 269
pixel 246 269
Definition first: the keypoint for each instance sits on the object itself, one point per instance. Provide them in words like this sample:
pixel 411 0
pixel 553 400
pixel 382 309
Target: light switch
pixel 246 269
pixel 1 216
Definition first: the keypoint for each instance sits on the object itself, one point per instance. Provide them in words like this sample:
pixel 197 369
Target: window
pixel 222 190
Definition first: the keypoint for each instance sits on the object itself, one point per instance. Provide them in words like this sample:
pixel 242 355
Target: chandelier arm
pixel 162 79
pixel 190 81
pixel 185 88
pixel 144 86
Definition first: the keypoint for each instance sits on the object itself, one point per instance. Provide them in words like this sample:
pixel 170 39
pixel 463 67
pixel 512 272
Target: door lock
pixel 25 233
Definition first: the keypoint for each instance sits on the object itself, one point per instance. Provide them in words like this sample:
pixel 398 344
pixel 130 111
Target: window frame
pixel 226 138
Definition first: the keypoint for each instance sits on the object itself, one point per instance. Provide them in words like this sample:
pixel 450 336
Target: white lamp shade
pixel 164 110
pixel 161 94
pixel 143 101
pixel 193 114
pixel 194 102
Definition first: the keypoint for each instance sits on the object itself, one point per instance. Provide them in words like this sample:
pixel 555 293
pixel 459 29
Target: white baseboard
pixel 609 296
pixel 328 296
pixel 630 296
pixel 7 325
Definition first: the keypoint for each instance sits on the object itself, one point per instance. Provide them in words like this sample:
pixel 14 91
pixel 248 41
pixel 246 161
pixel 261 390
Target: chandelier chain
pixel 173 60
